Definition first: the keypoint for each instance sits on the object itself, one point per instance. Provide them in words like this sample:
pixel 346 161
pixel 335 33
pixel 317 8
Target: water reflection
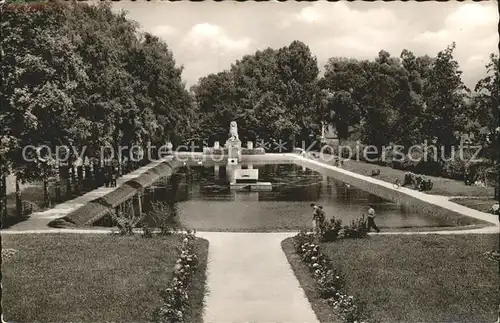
pixel 204 199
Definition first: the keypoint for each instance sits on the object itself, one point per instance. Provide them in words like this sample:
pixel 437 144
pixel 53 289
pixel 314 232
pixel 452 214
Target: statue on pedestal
pixel 233 131
pixel 233 141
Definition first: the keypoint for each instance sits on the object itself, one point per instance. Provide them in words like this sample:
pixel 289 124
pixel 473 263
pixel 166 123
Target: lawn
pixel 432 278
pixel 480 204
pixel 442 186
pixel 92 278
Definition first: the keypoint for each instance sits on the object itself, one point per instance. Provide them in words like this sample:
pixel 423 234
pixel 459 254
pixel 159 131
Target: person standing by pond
pixel 315 221
pixel 321 219
pixel 371 219
pixel 495 209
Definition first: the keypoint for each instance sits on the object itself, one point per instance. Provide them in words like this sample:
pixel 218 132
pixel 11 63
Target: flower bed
pixel 329 281
pixel 8 253
pixel 175 297
pixel 333 230
pixel 493 255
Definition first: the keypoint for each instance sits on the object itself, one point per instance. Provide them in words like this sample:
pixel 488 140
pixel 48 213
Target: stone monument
pixel 233 144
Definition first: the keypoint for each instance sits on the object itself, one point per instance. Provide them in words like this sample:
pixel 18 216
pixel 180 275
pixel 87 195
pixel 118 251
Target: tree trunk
pixel 120 161
pixel 68 181
pixel 79 170
pixel 74 183
pixel 3 197
pixel 139 201
pixel 1 279
pixel 19 205
pixel 88 178
pixel 46 195
pixel 3 214
pixel 58 182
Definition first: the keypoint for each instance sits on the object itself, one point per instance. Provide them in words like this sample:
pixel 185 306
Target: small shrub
pixel 28 208
pixel 429 167
pixel 331 230
pixel 493 255
pixel 125 224
pixel 8 253
pixel 147 232
pixel 300 239
pixel 454 169
pixel 164 217
pixel 356 229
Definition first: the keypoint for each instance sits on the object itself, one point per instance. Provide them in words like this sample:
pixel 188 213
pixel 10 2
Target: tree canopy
pixel 83 76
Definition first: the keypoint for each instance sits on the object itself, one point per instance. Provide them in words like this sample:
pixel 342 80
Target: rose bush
pixel 330 282
pixel 175 297
pixel 333 230
pixel 8 253
pixel 492 255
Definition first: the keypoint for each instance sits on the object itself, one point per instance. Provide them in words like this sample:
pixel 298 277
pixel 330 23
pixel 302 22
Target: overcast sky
pixel 206 37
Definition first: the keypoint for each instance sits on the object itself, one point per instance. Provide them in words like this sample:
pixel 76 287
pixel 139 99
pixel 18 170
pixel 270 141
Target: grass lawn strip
pixel 442 186
pixel 431 278
pixel 91 278
pixel 480 204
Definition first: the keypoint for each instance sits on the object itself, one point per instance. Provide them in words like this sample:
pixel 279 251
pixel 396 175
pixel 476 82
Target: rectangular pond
pixel 202 197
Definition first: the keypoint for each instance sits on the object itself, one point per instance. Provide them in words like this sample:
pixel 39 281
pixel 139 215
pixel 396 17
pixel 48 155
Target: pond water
pixel 204 201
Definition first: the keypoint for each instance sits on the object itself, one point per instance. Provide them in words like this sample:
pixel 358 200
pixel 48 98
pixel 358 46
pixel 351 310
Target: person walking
pixel 114 175
pixel 315 217
pixel 371 219
pixel 495 209
pixel 321 219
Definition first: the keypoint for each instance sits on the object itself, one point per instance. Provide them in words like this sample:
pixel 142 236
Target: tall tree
pixel 297 85
pixel 445 113
pixel 487 105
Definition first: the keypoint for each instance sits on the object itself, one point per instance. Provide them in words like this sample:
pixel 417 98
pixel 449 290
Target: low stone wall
pixel 269 159
pixel 394 195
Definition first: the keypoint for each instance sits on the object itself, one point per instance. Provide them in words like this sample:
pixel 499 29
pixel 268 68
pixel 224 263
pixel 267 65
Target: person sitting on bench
pixel 409 178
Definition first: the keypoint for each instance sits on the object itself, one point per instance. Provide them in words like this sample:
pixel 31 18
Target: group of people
pixel 319 219
pixel 419 181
